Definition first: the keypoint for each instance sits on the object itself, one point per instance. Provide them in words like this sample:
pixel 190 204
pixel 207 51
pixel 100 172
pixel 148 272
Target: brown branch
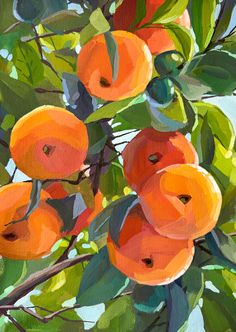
pixel 66 252
pixel 44 61
pixel 39 277
pixel 42 90
pixel 3 143
pixel 14 322
pixel 11 27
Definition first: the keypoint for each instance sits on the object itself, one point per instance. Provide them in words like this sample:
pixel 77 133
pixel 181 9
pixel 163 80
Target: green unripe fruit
pixel 169 63
pixel 161 90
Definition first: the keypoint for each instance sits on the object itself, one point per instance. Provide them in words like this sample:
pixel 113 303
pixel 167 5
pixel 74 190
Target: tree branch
pixel 14 322
pixel 39 277
pixel 66 252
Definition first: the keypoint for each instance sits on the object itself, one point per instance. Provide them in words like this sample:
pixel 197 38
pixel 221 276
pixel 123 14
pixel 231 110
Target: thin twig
pixel 42 90
pixel 11 27
pixel 68 249
pixel 44 61
pixel 3 143
pixel 14 322
pixel 41 276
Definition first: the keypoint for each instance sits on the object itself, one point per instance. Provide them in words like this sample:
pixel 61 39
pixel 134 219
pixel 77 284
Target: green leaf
pixel 223 280
pixel 101 281
pixel 218 312
pixel 140 13
pixel 112 182
pixel 110 110
pixel 193 284
pixel 210 73
pixel 229 44
pixel 177 305
pixel 132 118
pixel 119 214
pixel 62 60
pixel 4 175
pixel 190 112
pixel 53 6
pixel 17 98
pixel 97 25
pixel 31 324
pixel 14 271
pixel 149 299
pixel 62 287
pixel 169 11
pixel 182 39
pixel 8 122
pixel 171 118
pixel 65 20
pixel 119 316
pixel 112 50
pixel 203 21
pixel 222 246
pixel 28 64
pixel 226 18
pixel 6 15
pixel 98 146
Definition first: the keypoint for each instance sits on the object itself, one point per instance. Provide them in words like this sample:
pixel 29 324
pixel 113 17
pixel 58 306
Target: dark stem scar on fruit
pixel 10 236
pixel 104 82
pixel 154 158
pixel 48 149
pixel 148 261
pixel 184 198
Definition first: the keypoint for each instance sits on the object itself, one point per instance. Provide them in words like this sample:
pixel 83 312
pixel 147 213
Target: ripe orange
pixel 158 38
pixel 181 201
pixel 134 71
pixel 49 142
pixel 32 238
pixel 150 151
pixel 147 257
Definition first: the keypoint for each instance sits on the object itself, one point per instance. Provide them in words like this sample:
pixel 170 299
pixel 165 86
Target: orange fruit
pixel 181 201
pixel 48 143
pixel 134 68
pixel 147 257
pixel 150 151
pixel 158 38
pixel 32 238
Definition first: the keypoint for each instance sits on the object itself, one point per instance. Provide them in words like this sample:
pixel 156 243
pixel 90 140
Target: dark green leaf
pixel 203 21
pixel 53 6
pixel 28 64
pixel 140 13
pixel 112 50
pixel 98 146
pixel 229 44
pixel 69 209
pixel 178 309
pixel 182 39
pixel 169 11
pixel 211 73
pixel 119 214
pixel 101 281
pixel 208 144
pixel 110 110
pixel 190 112
pixel 193 284
pixel 149 299
pixel 225 19
pixel 222 246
